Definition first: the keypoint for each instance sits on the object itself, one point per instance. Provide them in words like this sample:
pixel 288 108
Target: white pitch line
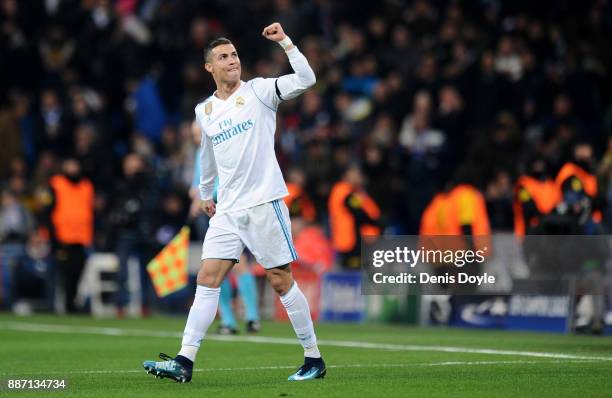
pixel 283 367
pixel 71 329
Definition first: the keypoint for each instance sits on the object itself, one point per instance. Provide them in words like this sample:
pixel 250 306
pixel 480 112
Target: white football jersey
pixel 238 139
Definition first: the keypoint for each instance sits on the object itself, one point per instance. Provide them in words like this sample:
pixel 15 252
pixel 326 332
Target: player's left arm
pixel 292 85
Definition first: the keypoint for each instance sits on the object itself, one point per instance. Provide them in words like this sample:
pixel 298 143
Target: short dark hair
pixel 215 43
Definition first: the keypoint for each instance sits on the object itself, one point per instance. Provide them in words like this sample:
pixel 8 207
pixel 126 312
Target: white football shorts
pixel 265 230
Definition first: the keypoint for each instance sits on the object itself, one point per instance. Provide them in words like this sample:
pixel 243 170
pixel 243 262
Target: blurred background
pixel 494 116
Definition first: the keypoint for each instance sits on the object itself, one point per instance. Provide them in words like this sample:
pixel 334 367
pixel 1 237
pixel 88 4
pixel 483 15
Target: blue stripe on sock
pixel 284 228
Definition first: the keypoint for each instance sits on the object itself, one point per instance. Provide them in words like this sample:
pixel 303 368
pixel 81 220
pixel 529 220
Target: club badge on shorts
pixel 239 102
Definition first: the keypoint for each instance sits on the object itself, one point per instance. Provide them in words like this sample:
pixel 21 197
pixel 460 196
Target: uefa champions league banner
pixel 558 314
pixel 341 298
pixel 517 312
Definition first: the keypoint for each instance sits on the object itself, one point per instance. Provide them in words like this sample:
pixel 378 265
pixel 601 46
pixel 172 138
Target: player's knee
pixel 208 280
pixel 281 281
pixel 280 287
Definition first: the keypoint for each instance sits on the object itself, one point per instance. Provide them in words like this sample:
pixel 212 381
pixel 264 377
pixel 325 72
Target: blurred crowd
pixel 411 96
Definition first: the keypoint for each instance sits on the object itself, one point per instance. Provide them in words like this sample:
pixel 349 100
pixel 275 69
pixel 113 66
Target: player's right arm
pixel 208 171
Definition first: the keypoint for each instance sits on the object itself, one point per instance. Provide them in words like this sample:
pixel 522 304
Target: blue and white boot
pixel 178 369
pixel 313 368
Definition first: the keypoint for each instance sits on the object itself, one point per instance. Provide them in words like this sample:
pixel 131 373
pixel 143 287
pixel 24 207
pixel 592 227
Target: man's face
pixel 224 64
pixel 355 177
pixel 71 167
pixel 132 164
pixel 583 153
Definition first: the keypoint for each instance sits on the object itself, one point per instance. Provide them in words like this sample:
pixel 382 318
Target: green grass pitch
pixel 102 358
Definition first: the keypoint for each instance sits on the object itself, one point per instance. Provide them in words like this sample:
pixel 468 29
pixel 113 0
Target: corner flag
pixel 168 270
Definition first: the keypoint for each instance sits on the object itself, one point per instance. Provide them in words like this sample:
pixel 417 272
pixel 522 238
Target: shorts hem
pixel 278 265
pixel 219 258
pixel 263 202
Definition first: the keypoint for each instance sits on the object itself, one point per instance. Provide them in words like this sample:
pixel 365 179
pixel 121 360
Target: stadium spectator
pixel 298 202
pixel 353 216
pixel 498 197
pixel 132 218
pixel 424 149
pixel 16 227
pixel 11 136
pixel 459 210
pixel 71 222
pixel 169 218
pixel 535 196
pixel 580 191
pixel 316 251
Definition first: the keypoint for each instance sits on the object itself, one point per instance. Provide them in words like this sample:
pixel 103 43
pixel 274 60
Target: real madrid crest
pixel 208 108
pixel 239 102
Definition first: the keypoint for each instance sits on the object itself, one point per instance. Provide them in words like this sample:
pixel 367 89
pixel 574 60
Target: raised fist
pixel 274 32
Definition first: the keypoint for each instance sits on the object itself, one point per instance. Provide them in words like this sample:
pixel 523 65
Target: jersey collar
pixel 228 98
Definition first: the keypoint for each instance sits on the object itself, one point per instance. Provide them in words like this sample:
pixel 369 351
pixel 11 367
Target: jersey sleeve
pixel 272 91
pixel 208 166
pixel 265 91
pixel 294 84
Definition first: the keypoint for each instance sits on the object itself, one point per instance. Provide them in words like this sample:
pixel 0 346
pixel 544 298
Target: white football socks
pixel 299 313
pixel 201 315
